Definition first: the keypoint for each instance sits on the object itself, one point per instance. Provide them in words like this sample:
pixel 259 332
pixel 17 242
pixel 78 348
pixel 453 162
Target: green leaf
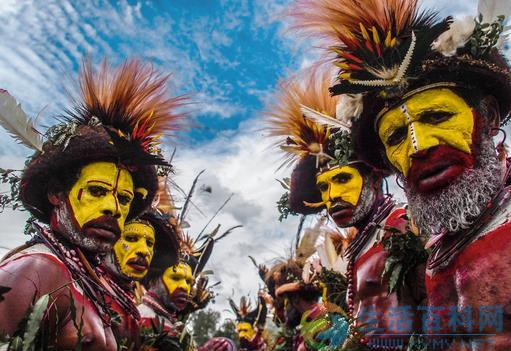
pixel 389 263
pixel 16 344
pixel 394 280
pixel 34 322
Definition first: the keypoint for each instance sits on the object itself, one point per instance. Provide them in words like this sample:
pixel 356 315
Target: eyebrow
pixel 341 174
pixel 430 108
pixel 128 191
pixel 98 181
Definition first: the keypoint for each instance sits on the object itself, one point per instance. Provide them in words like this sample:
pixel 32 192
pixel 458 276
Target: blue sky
pixel 228 53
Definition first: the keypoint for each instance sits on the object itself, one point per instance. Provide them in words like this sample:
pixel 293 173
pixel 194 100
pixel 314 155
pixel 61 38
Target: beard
pixel 456 206
pixel 364 207
pixel 64 223
pixel 366 203
pixel 112 266
pixel 160 290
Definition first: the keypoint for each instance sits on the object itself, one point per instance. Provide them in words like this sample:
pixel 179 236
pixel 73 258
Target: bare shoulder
pixel 34 267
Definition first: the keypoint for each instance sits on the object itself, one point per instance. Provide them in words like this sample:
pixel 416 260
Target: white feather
pixel 17 123
pixel 349 106
pixel 455 37
pixel 323 119
pixel 491 9
pixel 323 256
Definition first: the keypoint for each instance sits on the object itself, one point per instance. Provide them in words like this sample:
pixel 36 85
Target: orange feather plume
pixel 132 98
pixel 349 19
pixel 299 136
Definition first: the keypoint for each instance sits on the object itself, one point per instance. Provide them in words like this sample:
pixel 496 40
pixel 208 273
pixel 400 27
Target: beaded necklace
pixel 354 249
pixel 122 294
pixel 82 272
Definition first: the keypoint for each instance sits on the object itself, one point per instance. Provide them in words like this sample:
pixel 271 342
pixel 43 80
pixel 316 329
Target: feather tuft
pixel 297 135
pixel 16 122
pixel 132 99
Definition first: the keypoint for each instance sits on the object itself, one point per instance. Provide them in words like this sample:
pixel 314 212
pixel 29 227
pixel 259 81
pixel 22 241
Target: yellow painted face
pixel 343 183
pixel 178 276
pixel 245 330
pixel 102 188
pixel 134 250
pixel 427 119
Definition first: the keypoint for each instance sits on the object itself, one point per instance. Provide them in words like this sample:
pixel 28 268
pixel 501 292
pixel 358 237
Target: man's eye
pixel 435 117
pixel 131 238
pixel 342 178
pixel 97 191
pixel 322 187
pixel 124 199
pixel 149 243
pixel 397 136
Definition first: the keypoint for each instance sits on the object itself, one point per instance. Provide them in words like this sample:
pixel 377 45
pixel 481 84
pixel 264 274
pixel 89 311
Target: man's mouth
pixel 443 166
pixel 106 230
pixel 438 176
pixel 341 212
pixel 179 298
pixel 138 264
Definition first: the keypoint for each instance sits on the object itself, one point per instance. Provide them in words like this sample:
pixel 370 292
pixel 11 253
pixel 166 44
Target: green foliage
pixel 340 147
pixel 284 340
pixel 34 322
pixel 30 229
pixel 283 207
pixel 485 36
pixel 156 337
pixel 336 287
pixel 283 203
pixel 74 318
pixel 228 330
pixel 10 199
pixel 204 324
pixel 406 252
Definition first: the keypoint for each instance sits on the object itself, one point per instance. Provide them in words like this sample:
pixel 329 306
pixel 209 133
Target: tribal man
pixel 250 324
pixel 93 172
pixel 430 107
pixel 129 262
pixel 330 176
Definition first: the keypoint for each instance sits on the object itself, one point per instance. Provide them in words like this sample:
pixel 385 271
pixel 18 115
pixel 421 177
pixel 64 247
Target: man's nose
pixel 143 253
pixel 111 206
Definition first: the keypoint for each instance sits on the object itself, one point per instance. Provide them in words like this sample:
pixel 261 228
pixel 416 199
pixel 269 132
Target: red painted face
pixel 435 168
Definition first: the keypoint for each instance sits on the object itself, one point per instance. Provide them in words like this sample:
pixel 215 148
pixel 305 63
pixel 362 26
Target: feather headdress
pixel 131 102
pixel 245 313
pixel 120 115
pixel 375 41
pixel 298 135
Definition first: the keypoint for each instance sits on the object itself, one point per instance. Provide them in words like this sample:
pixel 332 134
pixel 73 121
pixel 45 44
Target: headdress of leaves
pixel 300 136
pixel 375 41
pixel 340 148
pixel 131 103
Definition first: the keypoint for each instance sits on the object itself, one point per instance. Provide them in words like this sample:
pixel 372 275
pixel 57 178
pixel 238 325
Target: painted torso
pixel 153 314
pixel 125 325
pixel 477 277
pixel 36 271
pixel 371 301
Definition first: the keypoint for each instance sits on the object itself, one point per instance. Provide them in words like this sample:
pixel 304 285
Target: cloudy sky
pixel 229 54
